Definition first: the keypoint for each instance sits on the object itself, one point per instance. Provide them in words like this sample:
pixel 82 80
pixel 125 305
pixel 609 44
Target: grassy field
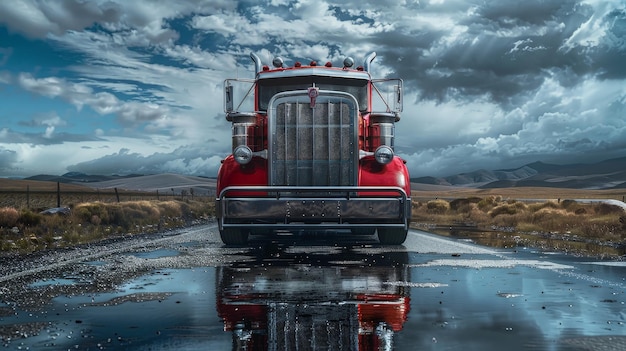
pixel 432 192
pixel 26 231
pixel 93 214
pixel 40 195
pixel 545 218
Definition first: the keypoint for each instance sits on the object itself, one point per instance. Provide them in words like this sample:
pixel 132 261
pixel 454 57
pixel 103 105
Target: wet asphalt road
pixel 185 291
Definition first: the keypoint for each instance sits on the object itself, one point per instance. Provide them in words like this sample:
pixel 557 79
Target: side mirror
pixel 398 102
pixel 228 98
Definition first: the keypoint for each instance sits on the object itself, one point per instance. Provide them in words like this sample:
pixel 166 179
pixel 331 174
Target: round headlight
pixel 383 154
pixel 242 154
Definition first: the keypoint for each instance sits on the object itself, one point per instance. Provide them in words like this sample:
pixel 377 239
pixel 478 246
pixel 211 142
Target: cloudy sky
pixel 118 87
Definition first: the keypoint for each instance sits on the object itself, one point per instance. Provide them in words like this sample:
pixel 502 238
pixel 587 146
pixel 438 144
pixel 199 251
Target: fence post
pixel 28 197
pixel 58 194
pixel 117 195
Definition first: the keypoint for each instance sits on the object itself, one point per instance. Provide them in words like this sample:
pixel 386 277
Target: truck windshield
pixel 267 88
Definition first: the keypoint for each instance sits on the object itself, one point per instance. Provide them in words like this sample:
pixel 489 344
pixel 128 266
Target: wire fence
pixel 38 199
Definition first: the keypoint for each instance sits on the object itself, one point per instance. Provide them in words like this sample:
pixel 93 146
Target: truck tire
pixel 391 236
pixel 234 236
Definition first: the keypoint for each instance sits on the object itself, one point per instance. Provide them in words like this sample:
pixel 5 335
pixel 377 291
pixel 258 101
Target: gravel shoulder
pixel 29 282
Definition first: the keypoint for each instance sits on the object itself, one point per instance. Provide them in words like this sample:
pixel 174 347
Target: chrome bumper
pixel 313 207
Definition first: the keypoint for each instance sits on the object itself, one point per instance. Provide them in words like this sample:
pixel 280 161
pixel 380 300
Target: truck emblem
pixel 313 93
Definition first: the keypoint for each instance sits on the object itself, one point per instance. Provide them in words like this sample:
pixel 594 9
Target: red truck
pixel 313 149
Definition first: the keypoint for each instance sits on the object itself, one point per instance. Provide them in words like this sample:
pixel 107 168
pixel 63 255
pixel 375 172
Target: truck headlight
pixel 383 154
pixel 242 154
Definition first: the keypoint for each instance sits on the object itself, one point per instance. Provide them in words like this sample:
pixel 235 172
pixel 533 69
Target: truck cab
pixel 313 149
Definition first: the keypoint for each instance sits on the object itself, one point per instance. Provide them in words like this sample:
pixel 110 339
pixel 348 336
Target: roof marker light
pixel 278 62
pixel 348 62
pixel 328 64
pixel 313 63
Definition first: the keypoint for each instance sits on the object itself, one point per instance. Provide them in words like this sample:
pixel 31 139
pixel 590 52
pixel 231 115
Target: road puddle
pixel 432 294
pixel 56 281
pixel 314 299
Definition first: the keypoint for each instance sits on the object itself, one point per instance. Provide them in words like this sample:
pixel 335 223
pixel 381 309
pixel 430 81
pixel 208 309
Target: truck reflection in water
pixel 342 300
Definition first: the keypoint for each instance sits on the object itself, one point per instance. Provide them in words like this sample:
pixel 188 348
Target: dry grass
pixel 8 216
pixel 41 195
pixel 26 231
pixel 521 193
pixel 95 214
pixel 497 219
pixel 508 216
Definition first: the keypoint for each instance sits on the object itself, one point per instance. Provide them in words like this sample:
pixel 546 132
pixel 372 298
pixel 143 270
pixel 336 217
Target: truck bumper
pixel 312 207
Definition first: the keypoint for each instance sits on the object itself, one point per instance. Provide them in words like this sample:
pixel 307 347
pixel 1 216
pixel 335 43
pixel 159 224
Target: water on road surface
pixel 187 291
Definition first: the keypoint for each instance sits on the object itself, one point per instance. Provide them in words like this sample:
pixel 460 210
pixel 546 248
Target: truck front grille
pixel 313 146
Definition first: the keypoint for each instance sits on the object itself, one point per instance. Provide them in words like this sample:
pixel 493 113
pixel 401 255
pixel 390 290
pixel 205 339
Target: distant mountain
pixel 165 183
pixel 607 174
pixel 159 182
pixel 77 177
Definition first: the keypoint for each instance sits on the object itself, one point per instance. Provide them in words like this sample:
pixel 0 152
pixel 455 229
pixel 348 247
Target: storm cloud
pixel 489 84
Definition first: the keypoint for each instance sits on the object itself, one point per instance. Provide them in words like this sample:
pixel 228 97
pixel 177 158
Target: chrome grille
pixel 313 146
